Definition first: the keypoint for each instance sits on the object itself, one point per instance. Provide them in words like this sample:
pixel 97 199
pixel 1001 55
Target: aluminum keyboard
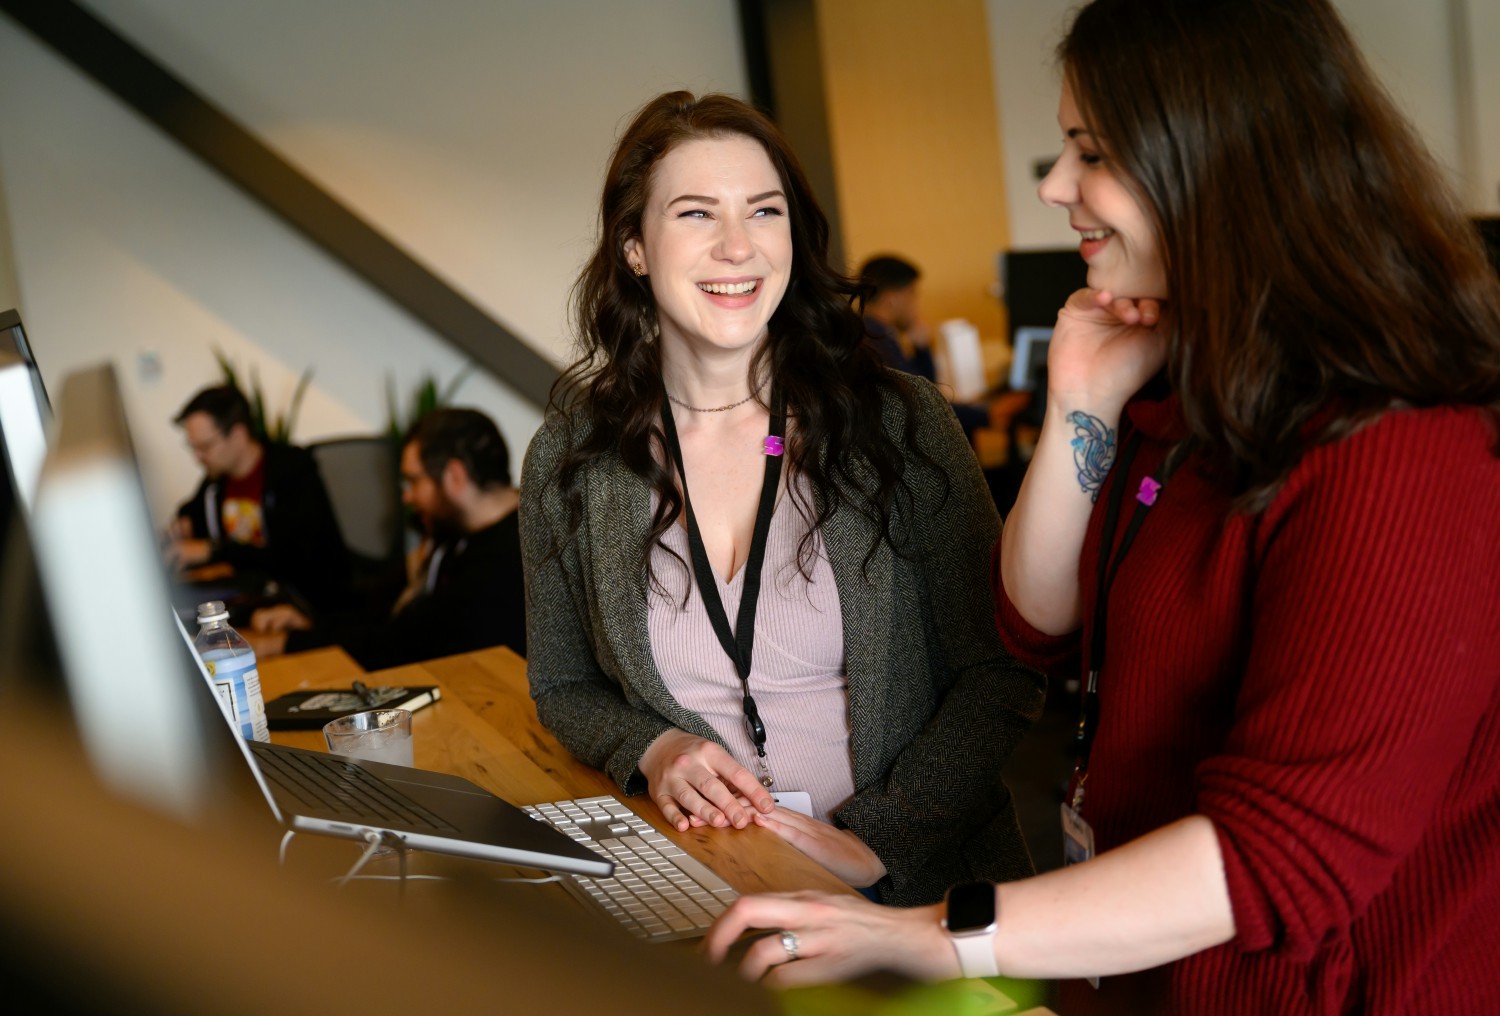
pixel 658 892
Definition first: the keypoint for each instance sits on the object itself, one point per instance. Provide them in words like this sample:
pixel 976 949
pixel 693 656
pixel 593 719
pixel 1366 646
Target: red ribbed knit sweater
pixel 1322 681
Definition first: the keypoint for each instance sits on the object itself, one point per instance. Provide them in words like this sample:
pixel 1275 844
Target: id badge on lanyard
pixel 1078 846
pixel 739 642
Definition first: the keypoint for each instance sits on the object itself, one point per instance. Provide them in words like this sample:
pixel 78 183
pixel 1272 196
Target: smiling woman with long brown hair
pixel 755 557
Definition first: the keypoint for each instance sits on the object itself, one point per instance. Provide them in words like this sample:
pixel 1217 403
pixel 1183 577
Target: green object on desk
pixel 888 996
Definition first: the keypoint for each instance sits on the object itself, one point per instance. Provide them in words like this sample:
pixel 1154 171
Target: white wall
pixel 472 133
pixel 1479 26
pixel 1023 36
pixel 1409 45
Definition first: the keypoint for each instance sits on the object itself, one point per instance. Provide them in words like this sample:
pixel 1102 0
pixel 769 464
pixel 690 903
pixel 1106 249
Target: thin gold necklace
pixel 717 409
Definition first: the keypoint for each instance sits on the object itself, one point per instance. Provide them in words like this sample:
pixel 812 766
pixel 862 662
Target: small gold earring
pixel 637 269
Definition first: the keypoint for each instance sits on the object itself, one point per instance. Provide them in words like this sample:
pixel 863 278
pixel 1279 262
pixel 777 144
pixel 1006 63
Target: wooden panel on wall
pixel 916 147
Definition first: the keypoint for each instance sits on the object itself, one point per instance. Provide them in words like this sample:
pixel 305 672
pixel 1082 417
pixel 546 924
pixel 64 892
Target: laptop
pixel 315 792
pixel 146 709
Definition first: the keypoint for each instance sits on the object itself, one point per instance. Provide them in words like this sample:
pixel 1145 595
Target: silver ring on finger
pixel 789 943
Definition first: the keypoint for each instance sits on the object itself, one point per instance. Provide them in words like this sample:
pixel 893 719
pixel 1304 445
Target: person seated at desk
pixel 1269 475
pixel 732 457
pixel 465 588
pixel 893 322
pixel 261 508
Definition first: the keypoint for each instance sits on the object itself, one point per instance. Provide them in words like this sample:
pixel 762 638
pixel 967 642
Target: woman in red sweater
pixel 1262 525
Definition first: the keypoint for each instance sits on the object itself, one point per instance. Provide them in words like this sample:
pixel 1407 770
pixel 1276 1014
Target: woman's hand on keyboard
pixel 695 783
pixel 838 850
pixel 836 938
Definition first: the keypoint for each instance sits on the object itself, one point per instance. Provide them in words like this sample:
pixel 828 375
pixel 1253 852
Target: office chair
pixel 362 475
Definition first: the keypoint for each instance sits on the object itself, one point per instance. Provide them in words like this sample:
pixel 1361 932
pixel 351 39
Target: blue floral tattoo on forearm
pixel 1093 452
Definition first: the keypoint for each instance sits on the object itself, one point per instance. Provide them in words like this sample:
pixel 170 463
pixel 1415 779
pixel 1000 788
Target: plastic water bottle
pixel 231 663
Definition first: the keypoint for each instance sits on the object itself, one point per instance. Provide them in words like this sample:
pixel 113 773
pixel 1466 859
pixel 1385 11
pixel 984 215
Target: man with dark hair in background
pixel 261 508
pixel 892 317
pixel 894 325
pixel 465 588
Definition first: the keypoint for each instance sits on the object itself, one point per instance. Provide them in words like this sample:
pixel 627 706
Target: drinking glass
pixel 376 735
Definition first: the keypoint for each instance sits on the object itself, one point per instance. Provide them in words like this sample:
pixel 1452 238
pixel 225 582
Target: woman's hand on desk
pixel 838 850
pixel 837 937
pixel 696 782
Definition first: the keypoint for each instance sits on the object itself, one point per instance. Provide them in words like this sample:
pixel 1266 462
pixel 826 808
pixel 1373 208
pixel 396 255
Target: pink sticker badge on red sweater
pixel 1148 491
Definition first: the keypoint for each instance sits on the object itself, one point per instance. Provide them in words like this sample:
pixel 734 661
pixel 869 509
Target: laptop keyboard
pixel 343 790
pixel 659 892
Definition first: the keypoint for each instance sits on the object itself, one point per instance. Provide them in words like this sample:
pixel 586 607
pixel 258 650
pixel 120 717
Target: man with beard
pixel 465 588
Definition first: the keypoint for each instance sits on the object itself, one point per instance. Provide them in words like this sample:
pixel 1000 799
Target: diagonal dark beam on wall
pixel 223 143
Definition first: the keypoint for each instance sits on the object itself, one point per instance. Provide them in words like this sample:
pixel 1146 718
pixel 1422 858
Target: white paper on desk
pixel 796 800
pixel 963 359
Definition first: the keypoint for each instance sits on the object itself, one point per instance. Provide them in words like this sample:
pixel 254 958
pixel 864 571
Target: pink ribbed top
pixel 797 669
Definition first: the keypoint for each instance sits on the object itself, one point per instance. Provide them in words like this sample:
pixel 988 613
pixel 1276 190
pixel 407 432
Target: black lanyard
pixel 739 643
pixel 1148 491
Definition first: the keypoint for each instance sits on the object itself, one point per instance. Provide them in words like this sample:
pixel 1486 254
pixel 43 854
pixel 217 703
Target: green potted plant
pixel 274 430
pixel 426 397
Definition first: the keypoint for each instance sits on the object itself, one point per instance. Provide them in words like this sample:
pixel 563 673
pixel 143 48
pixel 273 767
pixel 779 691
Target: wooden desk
pixel 117 907
pixel 485 729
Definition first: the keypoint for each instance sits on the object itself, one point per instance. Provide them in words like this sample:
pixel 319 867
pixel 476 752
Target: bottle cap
pixel 213 610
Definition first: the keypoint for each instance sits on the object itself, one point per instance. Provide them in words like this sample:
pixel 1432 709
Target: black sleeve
pixel 195 511
pixel 480 604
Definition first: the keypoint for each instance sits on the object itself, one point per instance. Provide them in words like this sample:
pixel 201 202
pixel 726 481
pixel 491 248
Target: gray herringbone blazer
pixel 936 704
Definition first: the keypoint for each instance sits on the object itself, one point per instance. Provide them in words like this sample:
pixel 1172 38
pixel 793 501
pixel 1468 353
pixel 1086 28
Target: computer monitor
pixel 104 590
pixel 28 649
pixel 25 414
pixel 1036 283
pixel 26 645
pixel 1028 361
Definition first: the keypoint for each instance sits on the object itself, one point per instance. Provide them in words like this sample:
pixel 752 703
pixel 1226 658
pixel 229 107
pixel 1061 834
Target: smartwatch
pixel 971 924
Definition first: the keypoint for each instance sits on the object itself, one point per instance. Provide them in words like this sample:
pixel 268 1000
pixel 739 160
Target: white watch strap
pixel 976 954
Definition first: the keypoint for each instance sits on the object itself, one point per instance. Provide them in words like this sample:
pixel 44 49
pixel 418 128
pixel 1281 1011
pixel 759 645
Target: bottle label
pixel 238 682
